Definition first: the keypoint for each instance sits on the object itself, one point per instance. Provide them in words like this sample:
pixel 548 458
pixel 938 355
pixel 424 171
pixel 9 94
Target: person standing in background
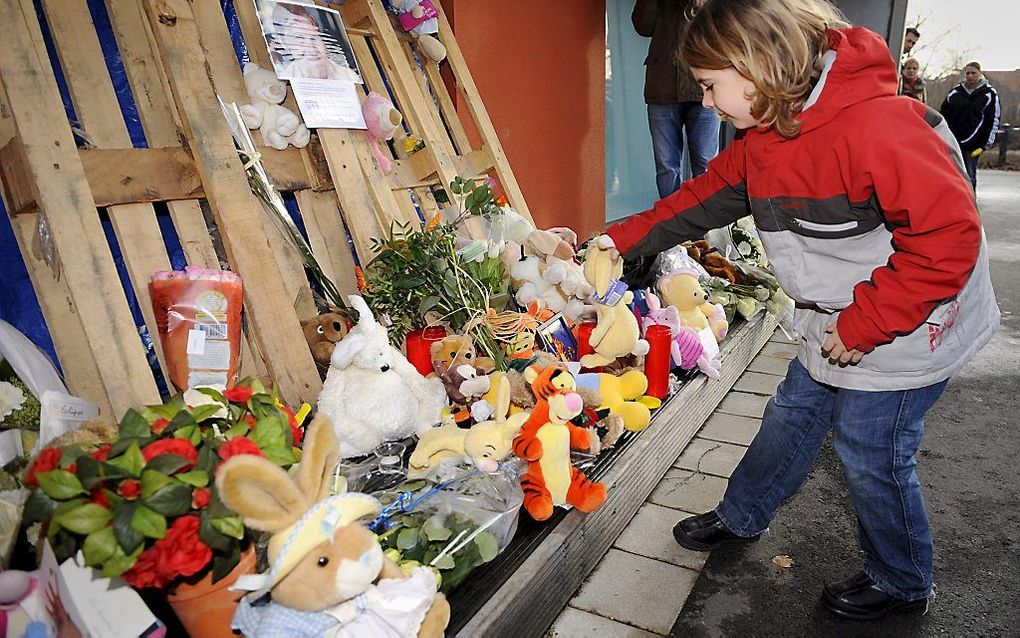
pixel 672 94
pixel 910 39
pixel 911 82
pixel 972 112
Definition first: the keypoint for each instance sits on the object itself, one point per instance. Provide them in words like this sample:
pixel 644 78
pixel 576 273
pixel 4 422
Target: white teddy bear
pixel 372 393
pixel 279 125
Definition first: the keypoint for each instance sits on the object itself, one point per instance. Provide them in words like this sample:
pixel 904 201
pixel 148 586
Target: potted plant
pixel 145 507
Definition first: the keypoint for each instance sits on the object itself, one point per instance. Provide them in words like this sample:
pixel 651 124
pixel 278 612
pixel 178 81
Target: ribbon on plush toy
pixel 383 120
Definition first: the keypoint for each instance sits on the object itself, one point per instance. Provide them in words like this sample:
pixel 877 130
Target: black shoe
pixel 705 532
pixel 859 599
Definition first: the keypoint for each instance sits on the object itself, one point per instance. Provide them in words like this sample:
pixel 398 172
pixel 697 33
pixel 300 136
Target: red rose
pixel 250 420
pixel 180 447
pixel 145 572
pixel 181 552
pixel 129 489
pixel 99 498
pixel 46 461
pixel 238 394
pixel 158 426
pixel 102 453
pixel 237 446
pixel 200 498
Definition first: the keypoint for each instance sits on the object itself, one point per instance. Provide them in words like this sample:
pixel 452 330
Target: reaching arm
pixel 716 198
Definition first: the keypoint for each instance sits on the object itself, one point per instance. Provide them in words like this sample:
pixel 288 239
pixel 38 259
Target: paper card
pixel 196 341
pixel 60 413
pixel 10 446
pixel 328 104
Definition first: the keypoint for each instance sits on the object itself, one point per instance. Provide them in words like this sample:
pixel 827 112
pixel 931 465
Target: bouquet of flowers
pixel 145 507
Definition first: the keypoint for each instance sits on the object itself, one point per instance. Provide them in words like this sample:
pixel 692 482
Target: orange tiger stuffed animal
pixel 545 442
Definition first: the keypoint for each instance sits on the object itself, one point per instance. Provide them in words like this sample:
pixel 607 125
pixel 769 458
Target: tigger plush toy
pixel 545 442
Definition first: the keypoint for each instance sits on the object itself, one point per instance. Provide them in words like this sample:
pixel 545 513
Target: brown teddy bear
pixel 322 334
pixel 713 262
pixel 458 350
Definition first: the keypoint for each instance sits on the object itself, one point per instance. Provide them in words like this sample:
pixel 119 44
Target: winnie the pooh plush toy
pixel 682 290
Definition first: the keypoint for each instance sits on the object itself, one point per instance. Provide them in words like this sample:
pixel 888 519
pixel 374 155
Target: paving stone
pixel 780 350
pixel 757 383
pixel 574 623
pixel 744 404
pixel 780 337
pixel 769 365
pixel 710 457
pixel 730 428
pixel 650 533
pixel 687 491
pixel 636 590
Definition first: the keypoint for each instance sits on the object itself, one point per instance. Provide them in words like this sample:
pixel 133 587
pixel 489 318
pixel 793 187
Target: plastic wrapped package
pixel 457 520
pixel 198 313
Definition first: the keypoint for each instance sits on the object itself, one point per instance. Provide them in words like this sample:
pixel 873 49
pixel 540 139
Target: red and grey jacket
pixel 867 217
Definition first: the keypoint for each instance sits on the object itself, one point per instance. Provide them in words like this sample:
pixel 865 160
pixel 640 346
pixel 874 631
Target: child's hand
pixel 837 353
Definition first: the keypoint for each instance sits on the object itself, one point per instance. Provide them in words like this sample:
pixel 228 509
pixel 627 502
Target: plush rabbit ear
pixel 318 460
pixel 501 398
pixel 598 269
pixel 653 301
pixel 346 349
pixel 261 492
pixel 365 315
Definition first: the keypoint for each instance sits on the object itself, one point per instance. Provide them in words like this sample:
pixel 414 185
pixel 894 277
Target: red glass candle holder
pixel 657 360
pixel 584 331
pixel 418 344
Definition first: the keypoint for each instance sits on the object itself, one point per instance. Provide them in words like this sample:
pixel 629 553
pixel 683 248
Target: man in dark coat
pixel 972 112
pixel 673 95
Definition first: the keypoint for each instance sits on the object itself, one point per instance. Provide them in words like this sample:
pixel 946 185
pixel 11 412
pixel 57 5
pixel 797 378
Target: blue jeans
pixel 669 125
pixel 971 163
pixel 876 434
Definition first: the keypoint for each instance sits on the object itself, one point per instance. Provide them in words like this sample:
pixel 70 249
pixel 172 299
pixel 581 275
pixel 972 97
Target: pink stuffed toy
pixel 383 120
pixel 686 349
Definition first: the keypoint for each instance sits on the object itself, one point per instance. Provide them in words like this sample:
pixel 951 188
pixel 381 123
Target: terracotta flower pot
pixel 204 608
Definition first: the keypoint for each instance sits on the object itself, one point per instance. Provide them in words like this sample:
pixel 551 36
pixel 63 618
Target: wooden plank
pixel 235 208
pixel 467 87
pixel 356 203
pixel 449 110
pixel 98 112
pixel 66 201
pixel 531 599
pixel 328 238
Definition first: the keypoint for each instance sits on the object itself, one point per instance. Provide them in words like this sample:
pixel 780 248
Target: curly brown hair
pixel 776 44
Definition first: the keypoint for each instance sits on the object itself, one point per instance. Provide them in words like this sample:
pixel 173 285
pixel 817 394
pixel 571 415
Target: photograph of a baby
pixel 306 41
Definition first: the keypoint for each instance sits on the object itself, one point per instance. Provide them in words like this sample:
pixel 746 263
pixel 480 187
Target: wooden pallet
pixel 178 56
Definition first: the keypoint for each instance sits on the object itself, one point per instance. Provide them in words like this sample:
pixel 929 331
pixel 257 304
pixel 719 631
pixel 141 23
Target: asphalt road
pixel 968 465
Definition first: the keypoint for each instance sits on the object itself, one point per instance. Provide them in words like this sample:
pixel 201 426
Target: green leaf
pixel 188 432
pixel 65 545
pixel 269 432
pixel 148 523
pixel 133 425
pixel 207 459
pixel 60 484
pixel 488 546
pixel 153 480
pixel 38 507
pixel 172 500
pixel 163 411
pixel 236 430
pixel 86 518
pixel 166 463
pixel 120 562
pixel 223 565
pixel 127 538
pixel 435 530
pixel 131 461
pixel 208 534
pixel 281 455
pixel 446 562
pixel 407 539
pixel 99 547
pixel 231 526
pixel 89 471
pixel 121 446
pixel 196 478
pixel 203 412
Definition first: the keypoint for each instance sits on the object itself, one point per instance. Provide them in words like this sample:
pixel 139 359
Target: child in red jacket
pixel 864 209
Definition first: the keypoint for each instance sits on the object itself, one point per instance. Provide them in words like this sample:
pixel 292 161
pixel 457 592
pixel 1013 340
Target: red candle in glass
pixel 584 331
pixel 418 344
pixel 657 360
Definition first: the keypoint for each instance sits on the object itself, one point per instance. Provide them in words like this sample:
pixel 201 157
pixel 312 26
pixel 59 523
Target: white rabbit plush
pixel 372 392
pixel 279 125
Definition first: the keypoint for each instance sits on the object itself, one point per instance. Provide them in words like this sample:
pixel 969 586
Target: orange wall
pixel 540 68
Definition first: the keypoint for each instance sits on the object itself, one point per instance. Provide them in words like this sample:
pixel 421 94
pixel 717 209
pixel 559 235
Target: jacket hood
pixel 858 67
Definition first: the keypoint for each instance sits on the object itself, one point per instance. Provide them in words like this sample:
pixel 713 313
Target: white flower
pixel 193 398
pixel 744 248
pixel 11 399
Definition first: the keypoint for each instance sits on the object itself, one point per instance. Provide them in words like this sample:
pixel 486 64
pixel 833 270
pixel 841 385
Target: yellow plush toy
pixel 682 290
pixel 619 396
pixel 617 333
pixel 485 444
